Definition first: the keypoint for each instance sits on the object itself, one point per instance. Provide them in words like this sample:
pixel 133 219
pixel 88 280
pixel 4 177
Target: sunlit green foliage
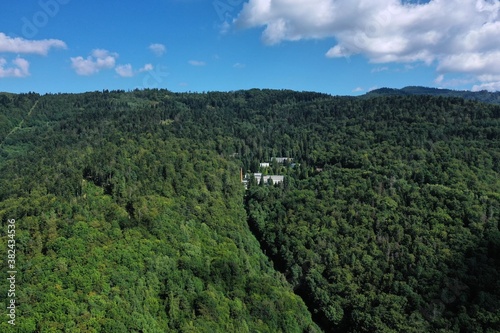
pixel 131 215
pixel 122 227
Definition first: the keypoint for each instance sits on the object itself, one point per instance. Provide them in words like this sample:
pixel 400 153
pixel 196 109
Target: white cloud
pixel 128 71
pixel 480 63
pixel 158 49
pixel 439 79
pixel 20 68
pixel 490 86
pixel 20 45
pixel 125 70
pixel 196 63
pixel 239 65
pixel 489 77
pixel 98 60
pixel 358 89
pixel 146 68
pixel 458 36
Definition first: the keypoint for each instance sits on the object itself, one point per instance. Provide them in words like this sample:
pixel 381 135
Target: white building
pixel 276 179
pixel 282 159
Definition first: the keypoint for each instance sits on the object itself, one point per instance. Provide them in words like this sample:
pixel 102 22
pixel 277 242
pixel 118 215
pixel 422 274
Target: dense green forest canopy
pixel 125 226
pixel 132 217
pixel 481 96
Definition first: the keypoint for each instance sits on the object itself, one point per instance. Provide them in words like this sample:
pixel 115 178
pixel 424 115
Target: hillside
pixel 480 96
pixel 131 216
pixel 123 226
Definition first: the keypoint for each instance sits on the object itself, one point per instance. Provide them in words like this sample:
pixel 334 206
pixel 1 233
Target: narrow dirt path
pixel 20 123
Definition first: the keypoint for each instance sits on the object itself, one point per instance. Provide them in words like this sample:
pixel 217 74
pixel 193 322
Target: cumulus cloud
pixel 158 49
pixel 19 69
pixel 98 60
pixel 20 45
pixel 196 63
pixel 125 70
pixel 458 36
pixel 128 71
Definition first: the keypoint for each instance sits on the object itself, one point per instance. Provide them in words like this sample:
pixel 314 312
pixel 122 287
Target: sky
pixel 339 47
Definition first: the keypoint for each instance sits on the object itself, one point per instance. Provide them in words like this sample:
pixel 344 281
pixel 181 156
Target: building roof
pixel 276 179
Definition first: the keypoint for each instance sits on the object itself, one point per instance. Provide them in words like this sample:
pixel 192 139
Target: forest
pixel 131 215
pixel 481 96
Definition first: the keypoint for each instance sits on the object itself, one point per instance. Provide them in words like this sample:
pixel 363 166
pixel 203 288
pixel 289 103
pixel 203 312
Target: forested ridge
pixel 481 96
pixel 131 215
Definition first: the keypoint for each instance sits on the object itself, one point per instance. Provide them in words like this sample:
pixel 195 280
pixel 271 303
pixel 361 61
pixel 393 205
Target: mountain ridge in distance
pixel 481 96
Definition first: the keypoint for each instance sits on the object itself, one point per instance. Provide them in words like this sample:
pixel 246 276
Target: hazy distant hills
pixel 482 96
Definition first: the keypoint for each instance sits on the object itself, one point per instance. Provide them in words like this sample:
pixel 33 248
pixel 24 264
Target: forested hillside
pixel 481 96
pixel 131 215
pixel 124 227
pixel 398 229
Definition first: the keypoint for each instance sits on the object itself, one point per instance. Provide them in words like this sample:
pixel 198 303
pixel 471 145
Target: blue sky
pixel 338 47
